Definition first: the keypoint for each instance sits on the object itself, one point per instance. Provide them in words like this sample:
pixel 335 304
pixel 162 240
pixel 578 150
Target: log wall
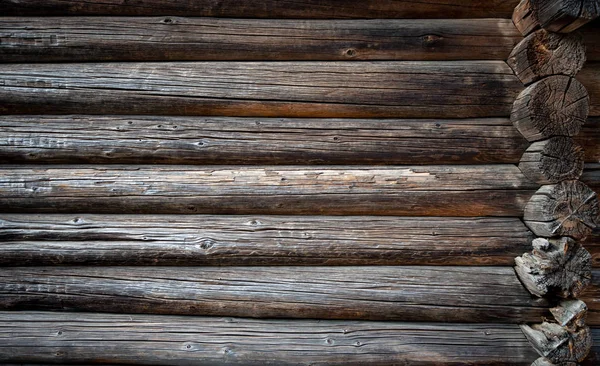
pixel 304 182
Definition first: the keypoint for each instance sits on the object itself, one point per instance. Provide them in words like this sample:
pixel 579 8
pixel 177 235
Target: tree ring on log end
pixel 569 208
pixel 557 344
pixel 554 106
pixel 554 160
pixel 557 267
pixel 544 54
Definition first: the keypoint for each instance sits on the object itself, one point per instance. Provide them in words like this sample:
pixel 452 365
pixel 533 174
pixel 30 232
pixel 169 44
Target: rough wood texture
pixel 460 89
pixel 557 267
pixel 554 15
pixel 569 208
pixel 593 358
pixel 544 54
pixel 591 297
pixel 413 293
pixel 172 340
pixel 590 78
pixel 591 38
pixel 557 344
pixel 553 160
pixel 326 9
pixel 175 39
pixel 556 105
pixel 570 313
pixel 263 240
pixel 217 140
pixel 486 190
pixel 589 139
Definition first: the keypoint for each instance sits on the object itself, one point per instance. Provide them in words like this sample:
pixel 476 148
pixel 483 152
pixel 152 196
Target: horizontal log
pixel 594 356
pixel 142 339
pixel 591 176
pixel 325 9
pixel 488 190
pixel 591 38
pixel 395 89
pixel 589 139
pixel 413 293
pixel 265 240
pixel 200 39
pixel 590 78
pixel 217 140
pixel 591 297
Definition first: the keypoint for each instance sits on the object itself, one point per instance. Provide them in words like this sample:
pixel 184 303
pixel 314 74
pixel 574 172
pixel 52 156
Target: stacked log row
pixel 549 113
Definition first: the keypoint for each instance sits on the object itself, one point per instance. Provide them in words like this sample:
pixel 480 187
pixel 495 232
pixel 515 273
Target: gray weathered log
pixel 263 240
pixel 569 208
pixel 543 361
pixel 177 39
pixel 227 140
pixel 554 15
pixel 553 160
pixel 395 89
pixel 570 313
pixel 557 344
pixel 47 337
pixel 556 105
pixel 474 190
pixel 544 54
pixel 412 293
pixel 558 267
pixel 326 9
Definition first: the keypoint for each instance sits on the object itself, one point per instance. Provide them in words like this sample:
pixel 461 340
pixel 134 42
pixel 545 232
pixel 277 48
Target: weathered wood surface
pixel 562 16
pixel 173 340
pixel 589 139
pixel 590 78
pixel 554 160
pixel 593 358
pixel 568 208
pixel 177 39
pixel 219 140
pixel 591 176
pixel 555 106
pixel 395 89
pixel 591 38
pixel 413 293
pixel 325 9
pixel 263 240
pixel 487 190
pixel 591 297
pixel 543 54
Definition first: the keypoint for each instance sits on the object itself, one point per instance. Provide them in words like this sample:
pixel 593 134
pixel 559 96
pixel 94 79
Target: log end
pixel 543 54
pixel 552 161
pixel 524 18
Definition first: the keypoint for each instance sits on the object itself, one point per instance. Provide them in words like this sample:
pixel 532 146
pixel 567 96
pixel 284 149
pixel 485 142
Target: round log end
pixel 524 19
pixel 569 208
pixel 544 54
pixel 554 160
pixel 557 344
pixel 564 15
pixel 554 106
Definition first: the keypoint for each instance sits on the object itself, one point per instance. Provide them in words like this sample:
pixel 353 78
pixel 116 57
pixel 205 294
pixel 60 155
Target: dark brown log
pixel 524 18
pixel 178 39
pixel 593 358
pixel 569 208
pixel 558 267
pixel 553 160
pixel 557 105
pixel 591 38
pixel 554 15
pixel 486 190
pixel 413 293
pixel 326 9
pixel 544 54
pixel 557 344
pixel 589 139
pixel 264 240
pixel 173 340
pixel 590 78
pixel 205 140
pixel 460 89
pixel 591 177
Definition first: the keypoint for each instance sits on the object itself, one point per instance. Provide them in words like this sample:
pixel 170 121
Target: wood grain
pixel 217 140
pixel 590 78
pixel 413 293
pixel 487 190
pixel 173 340
pixel 400 89
pixel 592 299
pixel 258 240
pixel 199 39
pixel 326 9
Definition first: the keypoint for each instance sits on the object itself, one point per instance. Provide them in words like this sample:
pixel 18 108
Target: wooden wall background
pixel 267 182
